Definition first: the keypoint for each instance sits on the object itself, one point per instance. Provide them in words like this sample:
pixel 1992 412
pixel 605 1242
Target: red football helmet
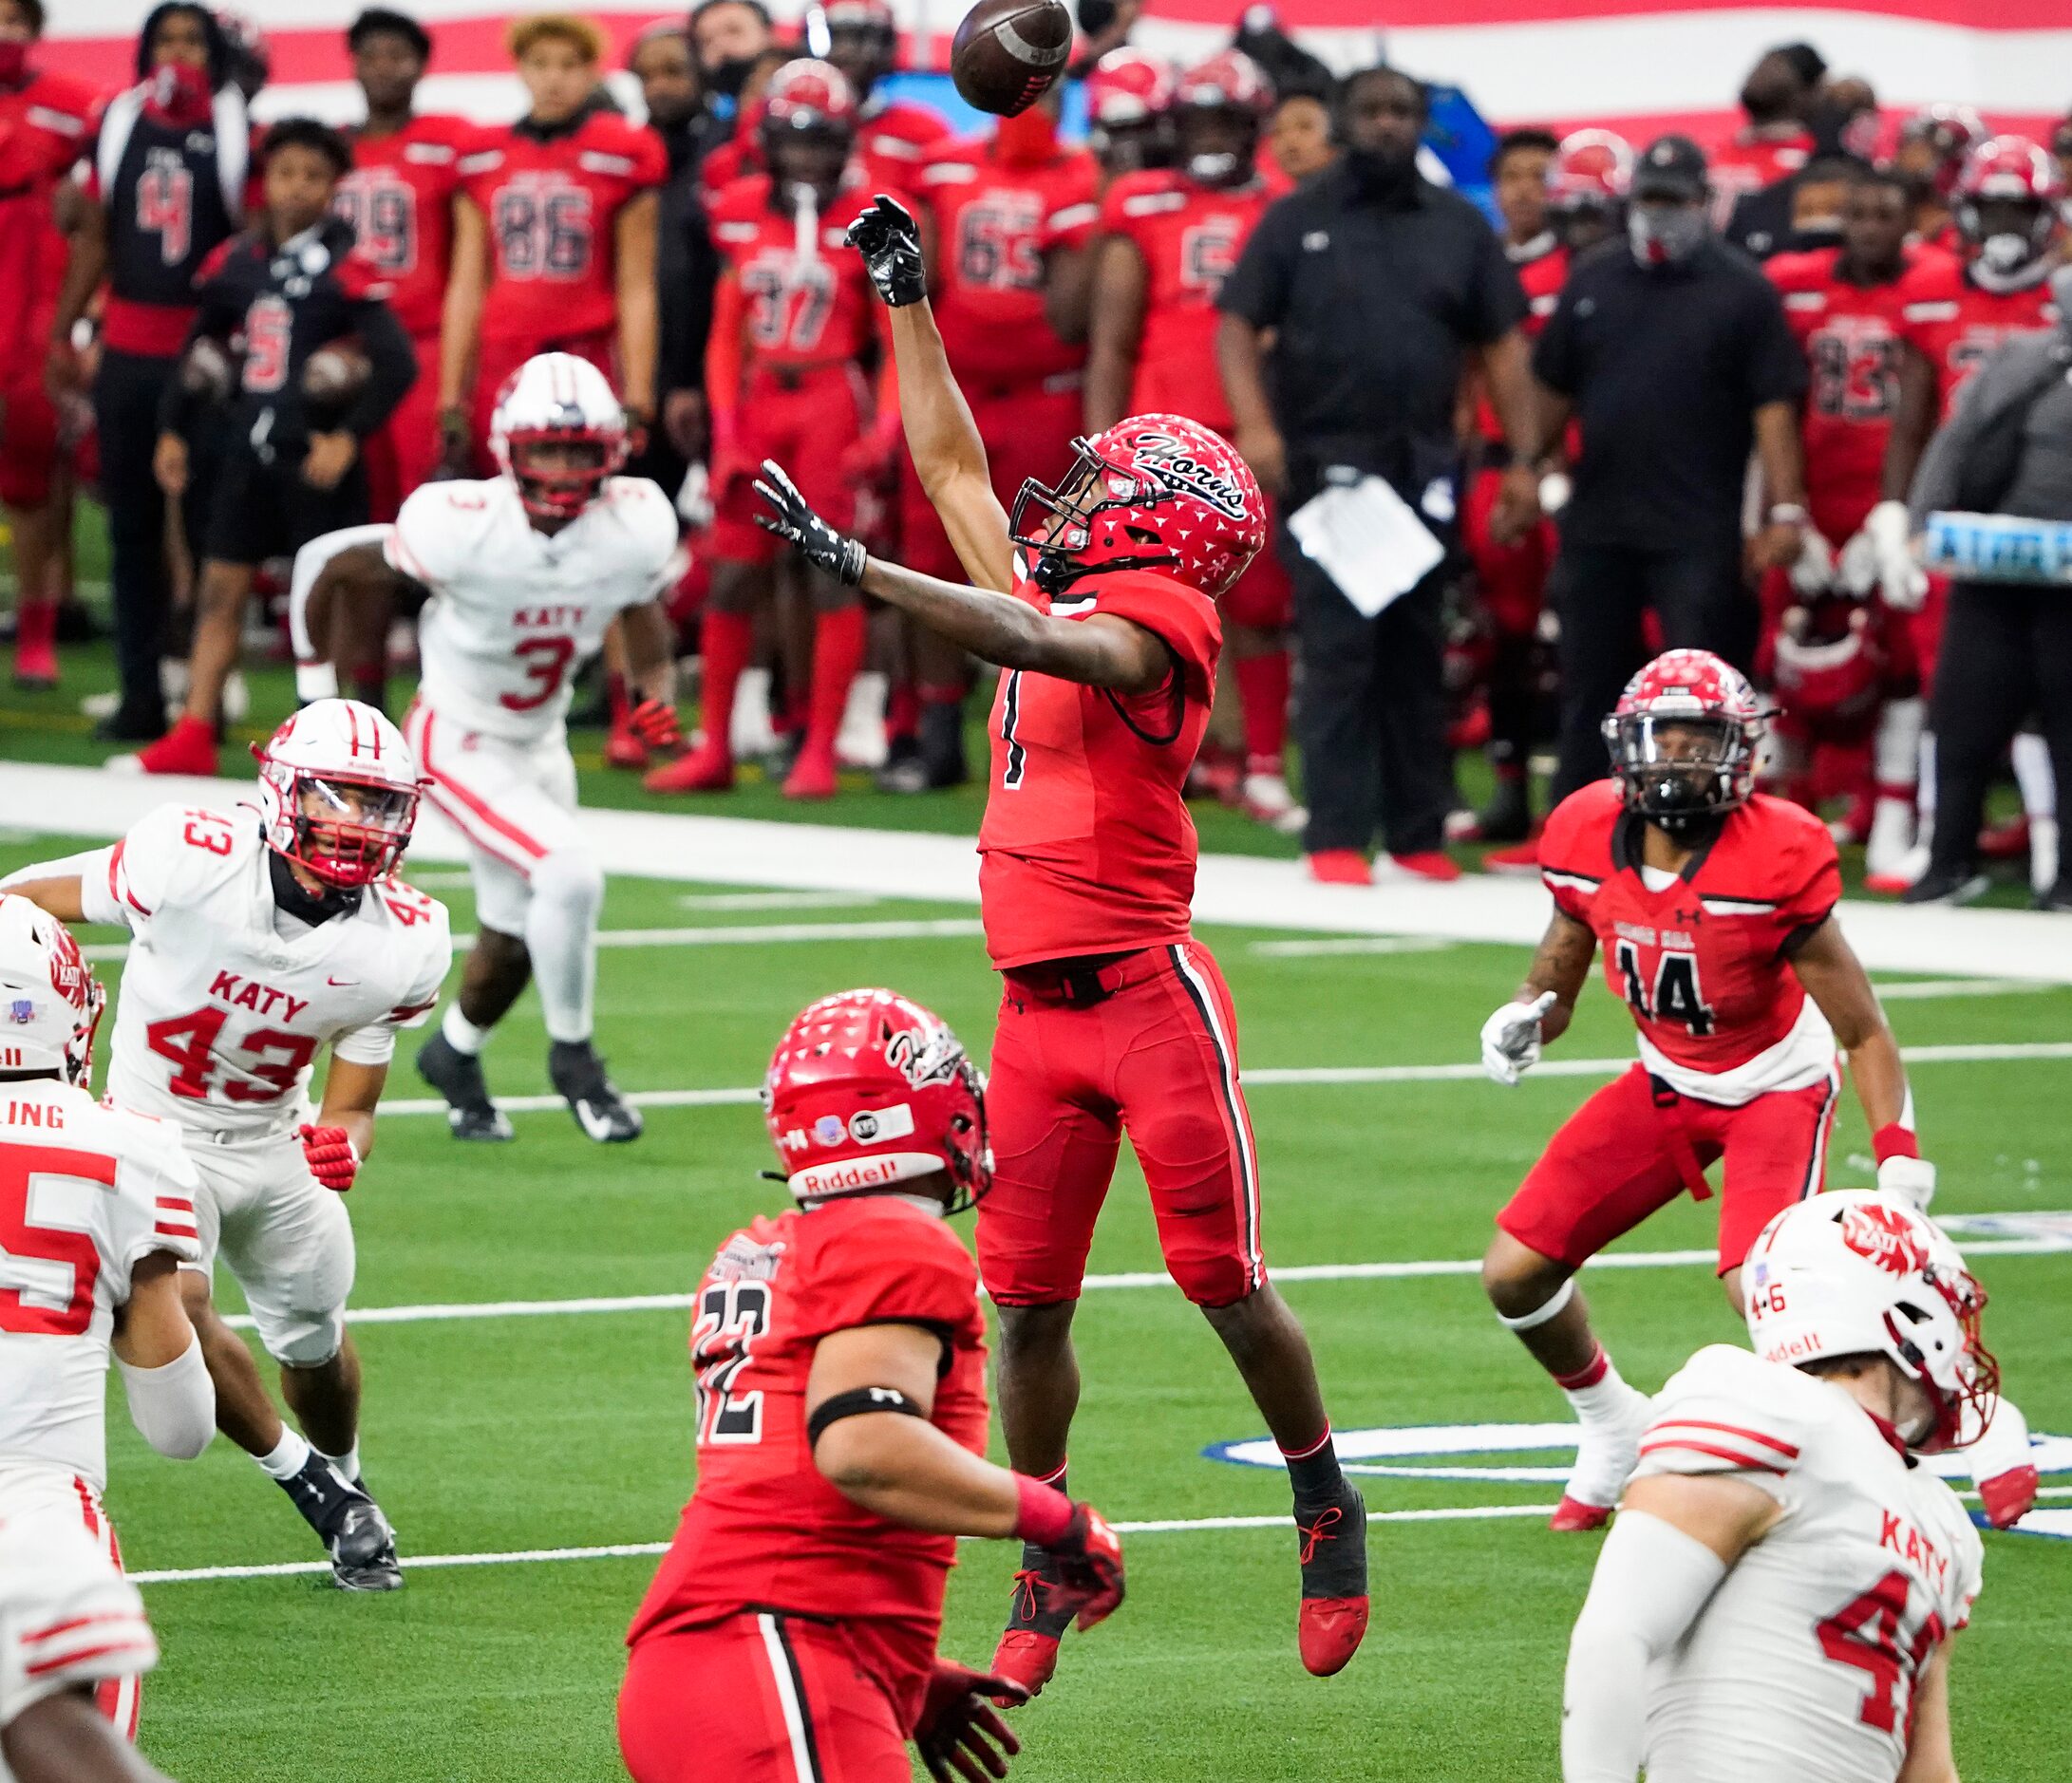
pixel 2009 170
pixel 1155 492
pixel 1229 79
pixel 809 95
pixel 1952 133
pixel 1128 86
pixel 1682 740
pixel 1592 168
pixel 867 1089
pixel 1829 671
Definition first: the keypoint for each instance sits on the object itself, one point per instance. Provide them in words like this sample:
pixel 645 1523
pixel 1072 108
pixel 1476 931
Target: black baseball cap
pixel 1671 167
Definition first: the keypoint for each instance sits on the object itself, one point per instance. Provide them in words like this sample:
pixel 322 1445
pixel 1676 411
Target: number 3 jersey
pixel 1805 1661
pixel 515 612
pixel 86 1192
pixel 764 1530
pixel 1705 963
pixel 225 1000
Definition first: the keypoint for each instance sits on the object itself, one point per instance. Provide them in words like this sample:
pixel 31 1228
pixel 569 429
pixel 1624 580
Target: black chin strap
pixel 1054 574
pixel 306 906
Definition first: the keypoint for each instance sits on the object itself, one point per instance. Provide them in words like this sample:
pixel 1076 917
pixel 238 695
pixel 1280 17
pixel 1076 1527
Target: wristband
pixel 1787 514
pixel 1894 1140
pixel 1043 1513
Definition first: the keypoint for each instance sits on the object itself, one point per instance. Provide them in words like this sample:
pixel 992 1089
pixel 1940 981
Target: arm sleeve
pixel 172 1407
pixel 1258 288
pixel 1651 1582
pixel 1777 363
pixel 393 366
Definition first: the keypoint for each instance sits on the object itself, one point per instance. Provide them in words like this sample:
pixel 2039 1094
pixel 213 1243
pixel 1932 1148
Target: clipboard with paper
pixel 1367 539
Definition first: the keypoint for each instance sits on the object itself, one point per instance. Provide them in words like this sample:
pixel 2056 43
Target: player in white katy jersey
pixel 525 572
pixel 97 1212
pixel 1777 1596
pixel 261 937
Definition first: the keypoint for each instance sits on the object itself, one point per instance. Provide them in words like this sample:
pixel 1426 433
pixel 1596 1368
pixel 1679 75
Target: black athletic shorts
pixel 265 510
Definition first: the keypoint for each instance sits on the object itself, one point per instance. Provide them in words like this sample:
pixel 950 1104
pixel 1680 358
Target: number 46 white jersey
pixel 514 612
pixel 1804 1664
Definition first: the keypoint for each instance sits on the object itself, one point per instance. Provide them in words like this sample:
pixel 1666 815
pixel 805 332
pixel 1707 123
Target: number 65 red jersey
pixel 1704 962
pixel 225 1001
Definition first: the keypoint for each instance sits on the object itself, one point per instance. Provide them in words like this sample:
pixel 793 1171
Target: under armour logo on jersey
pixel 1169 459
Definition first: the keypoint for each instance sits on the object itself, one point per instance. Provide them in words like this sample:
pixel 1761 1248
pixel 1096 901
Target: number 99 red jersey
pixel 764 1530
pixel 1705 963
pixel 398 200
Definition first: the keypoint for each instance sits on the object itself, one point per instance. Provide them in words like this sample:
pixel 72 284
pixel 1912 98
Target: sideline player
pixel 1113 1018
pixel 896 137
pixel 98 1205
pixel 840 1357
pixel 524 573
pixel 262 936
pixel 1779 1593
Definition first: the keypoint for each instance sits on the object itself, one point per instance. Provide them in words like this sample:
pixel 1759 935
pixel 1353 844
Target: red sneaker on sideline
pixel 1520 857
pixel 1429 864
pixel 1340 866
pixel 189 747
pixel 706 770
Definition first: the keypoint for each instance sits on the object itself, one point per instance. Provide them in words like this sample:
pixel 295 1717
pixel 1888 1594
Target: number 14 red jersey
pixel 1704 963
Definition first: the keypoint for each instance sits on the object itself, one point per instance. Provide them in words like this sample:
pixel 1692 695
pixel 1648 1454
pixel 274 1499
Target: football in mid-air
pixel 1008 53
pixel 334 373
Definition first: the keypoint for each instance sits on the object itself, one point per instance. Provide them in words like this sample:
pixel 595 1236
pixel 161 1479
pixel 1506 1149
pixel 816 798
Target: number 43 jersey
pixel 1704 963
pixel 514 612
pixel 1806 1661
pixel 220 1014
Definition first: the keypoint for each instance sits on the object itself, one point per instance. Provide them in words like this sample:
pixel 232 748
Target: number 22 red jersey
pixel 1704 963
pixel 398 200
pixel 764 1530
pixel 1190 236
pixel 550 200
pixel 1956 322
pixel 1086 846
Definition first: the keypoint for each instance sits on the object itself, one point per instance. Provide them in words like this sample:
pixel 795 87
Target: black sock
pixel 1315 1472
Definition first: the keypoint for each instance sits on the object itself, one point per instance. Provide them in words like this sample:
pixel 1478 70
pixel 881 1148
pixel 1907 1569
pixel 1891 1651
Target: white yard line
pixel 1249 892
pixel 773 900
pixel 1365 944
pixel 1915 990
pixel 441 1312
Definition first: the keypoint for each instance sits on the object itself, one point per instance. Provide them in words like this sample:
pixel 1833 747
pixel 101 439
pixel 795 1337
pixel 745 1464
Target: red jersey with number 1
pixel 1956 322
pixel 1086 846
pixel 764 1531
pixel 808 300
pixel 398 200
pixel 1190 236
pixel 1705 963
pixel 550 200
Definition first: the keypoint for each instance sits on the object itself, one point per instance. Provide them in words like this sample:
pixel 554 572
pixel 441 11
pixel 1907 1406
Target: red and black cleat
pixel 1334 1580
pixel 1027 1652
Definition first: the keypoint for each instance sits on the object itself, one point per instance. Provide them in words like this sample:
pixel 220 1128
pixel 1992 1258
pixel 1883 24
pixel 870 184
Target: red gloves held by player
pixel 958 1733
pixel 654 722
pixel 330 1155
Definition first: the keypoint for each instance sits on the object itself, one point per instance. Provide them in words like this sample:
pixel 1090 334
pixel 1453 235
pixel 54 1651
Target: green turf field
pixel 495 1435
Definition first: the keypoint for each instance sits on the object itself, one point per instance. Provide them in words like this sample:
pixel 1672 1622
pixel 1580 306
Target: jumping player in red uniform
pixel 1835 652
pixel 839 1348
pixel 1168 240
pixel 1098 598
pixel 1715 907
pixel 46 122
pixel 896 137
pixel 399 199
pixel 554 237
pixel 791 319
pixel 1005 208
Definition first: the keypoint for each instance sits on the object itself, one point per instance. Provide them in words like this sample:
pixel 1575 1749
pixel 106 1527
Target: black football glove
pixel 958 1733
pixel 890 241
pixel 793 522
pixel 1089 1563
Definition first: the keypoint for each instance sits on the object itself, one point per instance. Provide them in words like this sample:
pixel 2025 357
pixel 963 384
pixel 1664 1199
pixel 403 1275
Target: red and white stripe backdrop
pixel 1642 63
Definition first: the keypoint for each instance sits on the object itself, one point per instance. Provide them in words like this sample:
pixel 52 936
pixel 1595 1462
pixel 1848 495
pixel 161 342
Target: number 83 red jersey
pixel 1704 962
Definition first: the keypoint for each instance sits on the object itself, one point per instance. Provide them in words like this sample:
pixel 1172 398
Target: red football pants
pixel 406 452
pixel 1630 1150
pixel 1027 430
pixel 759 1697
pixel 806 422
pixel 1157 1059
pixel 1513 577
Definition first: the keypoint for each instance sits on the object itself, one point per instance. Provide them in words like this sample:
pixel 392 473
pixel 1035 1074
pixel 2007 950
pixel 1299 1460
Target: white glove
pixel 1814 572
pixel 1511 1038
pixel 1856 570
pixel 1910 1179
pixel 1555 491
pixel 1902 582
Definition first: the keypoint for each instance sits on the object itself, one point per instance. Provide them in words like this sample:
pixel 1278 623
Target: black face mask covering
pixel 731 76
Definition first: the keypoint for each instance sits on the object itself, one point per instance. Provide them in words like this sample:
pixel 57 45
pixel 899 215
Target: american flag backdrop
pixel 1639 65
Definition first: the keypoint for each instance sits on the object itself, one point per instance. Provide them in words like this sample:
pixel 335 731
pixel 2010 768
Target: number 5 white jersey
pixel 220 1014
pixel 85 1192
pixel 1804 1664
pixel 515 612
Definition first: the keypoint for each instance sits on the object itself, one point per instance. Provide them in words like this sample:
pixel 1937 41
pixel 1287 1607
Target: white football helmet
pixel 1857 1272
pixel 338 790
pixel 555 402
pixel 50 1002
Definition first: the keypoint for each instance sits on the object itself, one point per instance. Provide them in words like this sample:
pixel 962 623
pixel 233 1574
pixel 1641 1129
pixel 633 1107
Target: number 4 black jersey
pixel 173 192
pixel 282 303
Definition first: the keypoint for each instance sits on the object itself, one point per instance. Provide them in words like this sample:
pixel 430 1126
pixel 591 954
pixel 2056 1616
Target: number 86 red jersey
pixel 1704 962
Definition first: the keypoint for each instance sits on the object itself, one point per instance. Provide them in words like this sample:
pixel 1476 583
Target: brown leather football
pixel 1008 53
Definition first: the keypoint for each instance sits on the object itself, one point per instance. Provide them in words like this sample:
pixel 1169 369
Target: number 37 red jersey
pixel 1705 963
pixel 764 1530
